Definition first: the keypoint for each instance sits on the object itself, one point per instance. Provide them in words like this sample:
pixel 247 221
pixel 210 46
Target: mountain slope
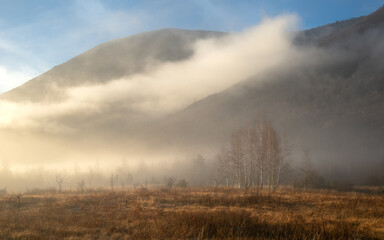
pixel 111 60
pixel 362 26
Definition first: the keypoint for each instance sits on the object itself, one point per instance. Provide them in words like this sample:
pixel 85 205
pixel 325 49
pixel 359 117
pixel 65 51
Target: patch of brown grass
pixel 196 214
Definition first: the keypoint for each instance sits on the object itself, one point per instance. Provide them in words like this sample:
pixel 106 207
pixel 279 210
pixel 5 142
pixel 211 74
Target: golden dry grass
pixel 194 214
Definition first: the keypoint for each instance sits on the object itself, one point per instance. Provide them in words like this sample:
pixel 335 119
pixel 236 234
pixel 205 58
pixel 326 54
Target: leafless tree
pixel 225 166
pixel 111 182
pixel 237 156
pixel 255 156
pixel 60 180
pixel 169 182
pixel 306 167
pixel 81 185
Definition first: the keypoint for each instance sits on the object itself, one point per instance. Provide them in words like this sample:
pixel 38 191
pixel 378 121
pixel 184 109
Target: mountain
pixel 333 104
pixel 111 60
pixel 316 35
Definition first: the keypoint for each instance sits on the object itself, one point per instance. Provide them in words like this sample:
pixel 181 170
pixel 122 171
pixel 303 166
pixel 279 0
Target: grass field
pixel 192 214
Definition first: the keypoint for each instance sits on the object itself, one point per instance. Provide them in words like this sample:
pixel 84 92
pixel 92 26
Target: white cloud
pixel 216 65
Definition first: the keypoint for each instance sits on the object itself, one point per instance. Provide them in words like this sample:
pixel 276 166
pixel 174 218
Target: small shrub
pixel 182 183
pixel 169 182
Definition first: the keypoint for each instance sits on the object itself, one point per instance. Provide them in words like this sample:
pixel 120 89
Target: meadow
pixel 192 213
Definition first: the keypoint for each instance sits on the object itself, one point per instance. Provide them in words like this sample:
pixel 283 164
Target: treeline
pixel 254 157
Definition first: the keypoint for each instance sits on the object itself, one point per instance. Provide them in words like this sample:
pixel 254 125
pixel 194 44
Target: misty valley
pixel 267 133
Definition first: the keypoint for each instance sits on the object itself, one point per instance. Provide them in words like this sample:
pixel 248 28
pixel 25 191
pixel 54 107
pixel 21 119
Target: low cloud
pixel 216 64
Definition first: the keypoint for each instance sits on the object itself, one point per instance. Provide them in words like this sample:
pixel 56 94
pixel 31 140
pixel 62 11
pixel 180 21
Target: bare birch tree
pixel 225 166
pixel 59 181
pixel 254 157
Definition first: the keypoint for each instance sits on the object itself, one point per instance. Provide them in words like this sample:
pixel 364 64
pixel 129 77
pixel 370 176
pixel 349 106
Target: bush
pixel 341 185
pixel 40 191
pixel 311 179
pixel 182 183
pixel 169 182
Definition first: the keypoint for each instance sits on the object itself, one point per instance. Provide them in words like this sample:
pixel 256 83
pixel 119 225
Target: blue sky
pixel 37 35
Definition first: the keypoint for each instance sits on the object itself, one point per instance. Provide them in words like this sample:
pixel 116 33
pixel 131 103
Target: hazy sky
pixel 37 35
